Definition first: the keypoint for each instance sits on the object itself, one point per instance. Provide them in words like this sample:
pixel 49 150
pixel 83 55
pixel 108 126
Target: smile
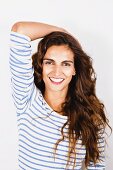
pixel 56 80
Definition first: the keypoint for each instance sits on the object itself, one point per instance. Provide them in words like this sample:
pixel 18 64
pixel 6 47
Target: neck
pixel 55 100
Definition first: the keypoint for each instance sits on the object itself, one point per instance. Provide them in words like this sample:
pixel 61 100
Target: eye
pixel 66 64
pixel 48 62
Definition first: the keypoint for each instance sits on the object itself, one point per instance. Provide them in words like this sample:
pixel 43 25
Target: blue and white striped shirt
pixel 39 127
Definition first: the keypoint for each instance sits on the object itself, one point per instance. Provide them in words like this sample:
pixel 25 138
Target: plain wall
pixel 91 22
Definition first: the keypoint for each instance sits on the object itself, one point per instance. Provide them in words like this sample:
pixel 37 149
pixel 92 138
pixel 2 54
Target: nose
pixel 57 70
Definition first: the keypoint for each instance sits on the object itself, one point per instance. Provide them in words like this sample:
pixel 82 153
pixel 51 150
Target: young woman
pixel 61 122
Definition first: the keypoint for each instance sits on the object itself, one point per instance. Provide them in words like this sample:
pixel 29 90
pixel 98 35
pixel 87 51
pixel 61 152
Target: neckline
pixel 50 110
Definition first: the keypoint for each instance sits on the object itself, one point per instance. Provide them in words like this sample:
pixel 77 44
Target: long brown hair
pixel 86 115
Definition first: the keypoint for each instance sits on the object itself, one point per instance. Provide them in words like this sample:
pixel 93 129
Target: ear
pixel 74 72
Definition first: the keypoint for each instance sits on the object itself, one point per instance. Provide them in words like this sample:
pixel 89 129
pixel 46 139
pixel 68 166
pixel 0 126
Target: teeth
pixel 57 80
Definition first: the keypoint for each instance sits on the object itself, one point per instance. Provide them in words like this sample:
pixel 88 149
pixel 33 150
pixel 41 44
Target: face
pixel 58 68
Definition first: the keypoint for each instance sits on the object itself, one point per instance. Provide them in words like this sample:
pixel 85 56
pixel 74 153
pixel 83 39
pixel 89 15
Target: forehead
pixel 62 52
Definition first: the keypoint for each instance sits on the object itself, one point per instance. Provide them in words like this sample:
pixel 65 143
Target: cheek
pixel 69 72
pixel 46 71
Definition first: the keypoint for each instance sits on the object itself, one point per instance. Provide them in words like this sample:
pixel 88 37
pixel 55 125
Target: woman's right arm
pixel 35 30
pixel 22 79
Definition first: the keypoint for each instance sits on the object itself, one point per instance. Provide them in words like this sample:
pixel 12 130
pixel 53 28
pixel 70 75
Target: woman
pixel 61 121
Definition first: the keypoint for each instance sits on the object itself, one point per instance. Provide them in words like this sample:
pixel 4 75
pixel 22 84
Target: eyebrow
pixel 70 61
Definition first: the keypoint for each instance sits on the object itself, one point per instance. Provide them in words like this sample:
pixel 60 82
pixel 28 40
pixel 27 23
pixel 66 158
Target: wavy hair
pixel 86 115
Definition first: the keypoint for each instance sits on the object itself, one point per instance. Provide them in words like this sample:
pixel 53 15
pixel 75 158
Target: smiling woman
pixel 58 69
pixel 61 121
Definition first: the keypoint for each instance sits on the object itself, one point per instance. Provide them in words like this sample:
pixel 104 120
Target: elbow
pixel 17 27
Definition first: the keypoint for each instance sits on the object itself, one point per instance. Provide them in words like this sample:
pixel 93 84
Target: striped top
pixel 39 127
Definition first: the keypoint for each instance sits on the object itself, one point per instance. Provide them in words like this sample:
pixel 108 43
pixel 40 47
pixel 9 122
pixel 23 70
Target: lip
pixel 56 81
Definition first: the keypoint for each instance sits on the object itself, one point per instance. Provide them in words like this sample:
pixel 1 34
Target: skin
pixel 35 30
pixel 58 69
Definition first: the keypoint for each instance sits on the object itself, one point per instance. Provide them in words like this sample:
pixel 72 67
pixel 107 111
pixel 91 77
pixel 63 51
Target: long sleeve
pixel 22 79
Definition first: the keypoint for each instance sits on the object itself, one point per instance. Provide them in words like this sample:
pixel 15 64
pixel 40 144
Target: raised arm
pixel 35 30
pixel 22 78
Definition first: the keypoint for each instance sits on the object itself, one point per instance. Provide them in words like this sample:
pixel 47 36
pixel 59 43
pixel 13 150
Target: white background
pixel 91 21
